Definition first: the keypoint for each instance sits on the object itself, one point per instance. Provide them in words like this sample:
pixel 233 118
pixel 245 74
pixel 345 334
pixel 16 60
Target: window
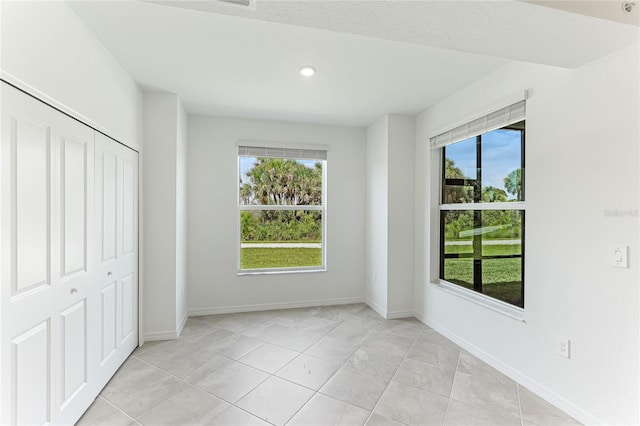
pixel 482 209
pixel 281 209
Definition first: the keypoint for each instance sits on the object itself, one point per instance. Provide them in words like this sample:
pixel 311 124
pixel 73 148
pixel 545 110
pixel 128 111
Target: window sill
pixel 495 305
pixel 280 271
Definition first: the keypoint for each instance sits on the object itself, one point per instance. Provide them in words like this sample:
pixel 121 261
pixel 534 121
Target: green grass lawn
pixel 501 278
pixel 263 258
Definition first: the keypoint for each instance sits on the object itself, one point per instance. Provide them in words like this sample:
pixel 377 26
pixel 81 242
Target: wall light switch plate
pixel 619 256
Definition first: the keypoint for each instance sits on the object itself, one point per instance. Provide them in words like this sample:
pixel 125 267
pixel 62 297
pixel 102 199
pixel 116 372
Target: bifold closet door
pixel 48 303
pixel 68 261
pixel 116 195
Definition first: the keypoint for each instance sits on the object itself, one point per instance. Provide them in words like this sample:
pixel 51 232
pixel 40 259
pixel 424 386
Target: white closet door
pixel 76 299
pixel 116 183
pixel 46 222
pixel 68 261
pixel 28 353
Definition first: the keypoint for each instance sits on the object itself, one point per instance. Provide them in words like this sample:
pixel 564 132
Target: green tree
pixel 451 171
pixel 513 183
pixel 456 193
pixel 276 181
pixel 491 194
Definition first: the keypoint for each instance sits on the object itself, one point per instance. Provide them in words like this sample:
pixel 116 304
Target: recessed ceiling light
pixel 307 70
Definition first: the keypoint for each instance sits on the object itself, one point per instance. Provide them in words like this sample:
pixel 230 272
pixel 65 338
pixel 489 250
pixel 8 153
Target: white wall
pixel 401 213
pixel 181 216
pixel 581 164
pixel 214 285
pixel 377 211
pixel 389 190
pixel 165 135
pixel 47 50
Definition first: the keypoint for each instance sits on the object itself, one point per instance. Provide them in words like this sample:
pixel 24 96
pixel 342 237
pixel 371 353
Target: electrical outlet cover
pixel 563 347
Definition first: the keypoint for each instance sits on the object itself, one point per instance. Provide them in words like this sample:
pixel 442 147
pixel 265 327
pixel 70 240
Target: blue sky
pixel 500 155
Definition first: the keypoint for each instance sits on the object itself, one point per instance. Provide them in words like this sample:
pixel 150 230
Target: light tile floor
pixel 336 365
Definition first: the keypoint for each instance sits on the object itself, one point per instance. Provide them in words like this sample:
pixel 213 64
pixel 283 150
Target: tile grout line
pixel 248 412
pixel 238 360
pixel 329 378
pixel 344 364
pixel 189 385
pixel 231 404
pixel 519 404
pixel 498 412
pixel 446 412
pixel 315 392
pixel 338 322
pixel 114 406
pixel 274 375
pixel 394 375
pixel 340 365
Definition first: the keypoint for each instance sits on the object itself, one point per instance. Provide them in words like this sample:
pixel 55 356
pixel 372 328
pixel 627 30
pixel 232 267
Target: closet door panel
pixel 76 297
pixel 31 384
pixel 108 213
pixel 129 211
pixel 108 321
pixel 74 206
pixel 75 351
pixel 117 232
pixel 128 298
pixel 30 151
pixel 128 250
pixel 68 261
pixel 29 353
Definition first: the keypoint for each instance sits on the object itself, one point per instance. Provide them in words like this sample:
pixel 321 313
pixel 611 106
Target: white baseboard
pixel 160 335
pixel 183 322
pixel 407 313
pixel 535 387
pixel 274 306
pixel 167 335
pixel 379 309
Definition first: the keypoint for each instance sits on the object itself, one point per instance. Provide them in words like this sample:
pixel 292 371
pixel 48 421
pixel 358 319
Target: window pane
pixel 460 172
pixel 280 239
pixel 485 169
pixel 279 181
pixel 461 159
pixel 502 164
pixel 483 252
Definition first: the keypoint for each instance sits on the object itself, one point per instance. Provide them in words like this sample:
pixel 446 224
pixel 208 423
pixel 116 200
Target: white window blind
pixel 301 154
pixel 495 120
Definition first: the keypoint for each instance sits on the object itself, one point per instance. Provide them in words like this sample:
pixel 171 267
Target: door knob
pixel 109 274
pixel 74 290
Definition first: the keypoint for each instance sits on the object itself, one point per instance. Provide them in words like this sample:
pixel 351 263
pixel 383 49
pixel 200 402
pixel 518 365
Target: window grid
pixel 300 154
pixel 478 207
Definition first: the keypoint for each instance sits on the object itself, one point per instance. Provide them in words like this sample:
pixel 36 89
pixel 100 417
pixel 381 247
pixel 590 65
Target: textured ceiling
pixel 373 57
pixel 507 29
pixel 604 9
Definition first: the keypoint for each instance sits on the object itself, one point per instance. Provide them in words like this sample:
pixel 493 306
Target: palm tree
pixel 513 183
pixel 275 181
pixel 491 194
pixel 246 193
pixel 456 192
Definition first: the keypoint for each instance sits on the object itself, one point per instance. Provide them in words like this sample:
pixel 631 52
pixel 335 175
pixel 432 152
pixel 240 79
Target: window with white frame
pixel 482 205
pixel 281 209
